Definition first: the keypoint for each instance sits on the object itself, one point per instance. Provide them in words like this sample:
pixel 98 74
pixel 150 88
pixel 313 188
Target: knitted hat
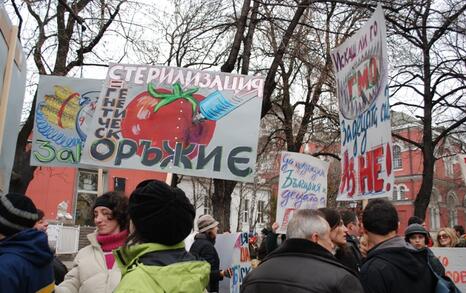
pixel 104 201
pixel 205 223
pixel 416 229
pixel 161 213
pixel 17 212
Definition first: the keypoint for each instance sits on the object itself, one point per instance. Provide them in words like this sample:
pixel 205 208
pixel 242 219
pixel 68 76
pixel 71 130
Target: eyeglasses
pixel 443 236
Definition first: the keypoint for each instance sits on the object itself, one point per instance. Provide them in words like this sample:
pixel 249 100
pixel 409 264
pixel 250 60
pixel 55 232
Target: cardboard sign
pixel 64 110
pixel 177 120
pixel 302 185
pixel 361 71
pixel 12 87
pixel 454 261
pixel 233 251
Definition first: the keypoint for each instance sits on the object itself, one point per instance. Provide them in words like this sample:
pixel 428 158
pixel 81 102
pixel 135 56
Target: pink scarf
pixel 111 242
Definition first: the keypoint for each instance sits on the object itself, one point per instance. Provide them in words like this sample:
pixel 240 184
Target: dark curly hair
pixel 117 202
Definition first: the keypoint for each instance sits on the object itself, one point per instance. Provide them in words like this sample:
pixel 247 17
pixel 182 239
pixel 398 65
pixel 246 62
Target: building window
pixel 434 218
pixel 395 193
pixel 449 166
pixel 119 184
pixel 87 191
pixel 452 212
pixel 397 162
pixel 434 210
pixel 245 211
pixel 207 205
pixel 260 211
pixel 401 192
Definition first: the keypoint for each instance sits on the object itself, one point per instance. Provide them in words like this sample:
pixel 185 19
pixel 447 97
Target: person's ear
pixel 314 237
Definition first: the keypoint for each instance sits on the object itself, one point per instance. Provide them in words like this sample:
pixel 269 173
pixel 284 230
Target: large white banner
pixel 454 261
pixel 302 184
pixel 64 110
pixel 361 71
pixel 177 120
pixel 462 162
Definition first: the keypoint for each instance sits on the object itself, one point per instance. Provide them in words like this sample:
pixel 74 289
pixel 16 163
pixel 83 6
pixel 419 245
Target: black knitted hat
pixel 17 212
pixel 161 213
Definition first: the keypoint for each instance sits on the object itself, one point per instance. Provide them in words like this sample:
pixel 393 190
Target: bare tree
pixel 65 37
pixel 430 75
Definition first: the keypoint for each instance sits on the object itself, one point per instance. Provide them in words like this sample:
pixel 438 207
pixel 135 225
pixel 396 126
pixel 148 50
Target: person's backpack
pixel 444 283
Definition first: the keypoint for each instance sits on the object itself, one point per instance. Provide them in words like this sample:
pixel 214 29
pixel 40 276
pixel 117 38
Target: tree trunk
pixel 222 202
pixel 423 197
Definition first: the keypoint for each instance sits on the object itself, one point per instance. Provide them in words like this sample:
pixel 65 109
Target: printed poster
pixel 64 110
pixel 176 120
pixel 302 184
pixel 361 69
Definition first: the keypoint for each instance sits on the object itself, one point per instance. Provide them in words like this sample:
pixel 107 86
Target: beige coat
pixel 90 273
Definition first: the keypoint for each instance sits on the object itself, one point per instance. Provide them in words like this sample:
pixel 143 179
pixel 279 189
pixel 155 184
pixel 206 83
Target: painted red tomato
pixel 171 122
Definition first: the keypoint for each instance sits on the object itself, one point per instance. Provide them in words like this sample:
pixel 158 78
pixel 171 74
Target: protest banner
pixel 302 185
pixel 233 251
pixel 454 261
pixel 462 162
pixel 177 120
pixel 361 70
pixel 64 109
pixel 12 87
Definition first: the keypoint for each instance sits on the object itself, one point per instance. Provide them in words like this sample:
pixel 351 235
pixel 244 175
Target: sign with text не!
pixel 64 110
pixel 176 120
pixel 361 71
pixel 302 185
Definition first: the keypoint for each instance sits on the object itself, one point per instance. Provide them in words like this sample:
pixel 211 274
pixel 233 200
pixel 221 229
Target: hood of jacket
pixel 402 255
pixel 29 244
pixel 141 269
pixel 128 256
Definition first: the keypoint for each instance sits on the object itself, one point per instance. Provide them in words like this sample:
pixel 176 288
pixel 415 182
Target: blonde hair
pixel 450 233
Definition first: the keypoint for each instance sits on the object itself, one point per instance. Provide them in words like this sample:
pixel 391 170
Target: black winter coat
pixel 203 248
pixel 395 266
pixel 300 266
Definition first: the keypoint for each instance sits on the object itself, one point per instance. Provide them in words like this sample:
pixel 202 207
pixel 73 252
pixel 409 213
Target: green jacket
pixel 152 267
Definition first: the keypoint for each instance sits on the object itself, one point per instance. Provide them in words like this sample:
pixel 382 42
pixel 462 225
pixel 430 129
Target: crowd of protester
pixel 138 246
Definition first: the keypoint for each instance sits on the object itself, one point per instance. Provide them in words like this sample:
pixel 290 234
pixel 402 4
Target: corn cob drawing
pixel 56 116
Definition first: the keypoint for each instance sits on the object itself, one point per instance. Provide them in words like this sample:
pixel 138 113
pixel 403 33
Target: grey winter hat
pixel 17 212
pixel 416 229
pixel 205 223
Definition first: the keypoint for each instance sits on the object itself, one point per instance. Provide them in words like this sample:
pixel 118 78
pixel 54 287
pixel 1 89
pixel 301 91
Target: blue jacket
pixel 26 263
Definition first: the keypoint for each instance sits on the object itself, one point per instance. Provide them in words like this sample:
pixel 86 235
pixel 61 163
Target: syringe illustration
pixel 213 107
pixel 217 105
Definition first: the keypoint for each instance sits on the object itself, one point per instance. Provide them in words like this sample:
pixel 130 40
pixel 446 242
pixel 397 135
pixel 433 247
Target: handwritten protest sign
pixel 64 109
pixel 241 262
pixel 454 261
pixel 302 185
pixel 233 251
pixel 177 120
pixel 366 145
